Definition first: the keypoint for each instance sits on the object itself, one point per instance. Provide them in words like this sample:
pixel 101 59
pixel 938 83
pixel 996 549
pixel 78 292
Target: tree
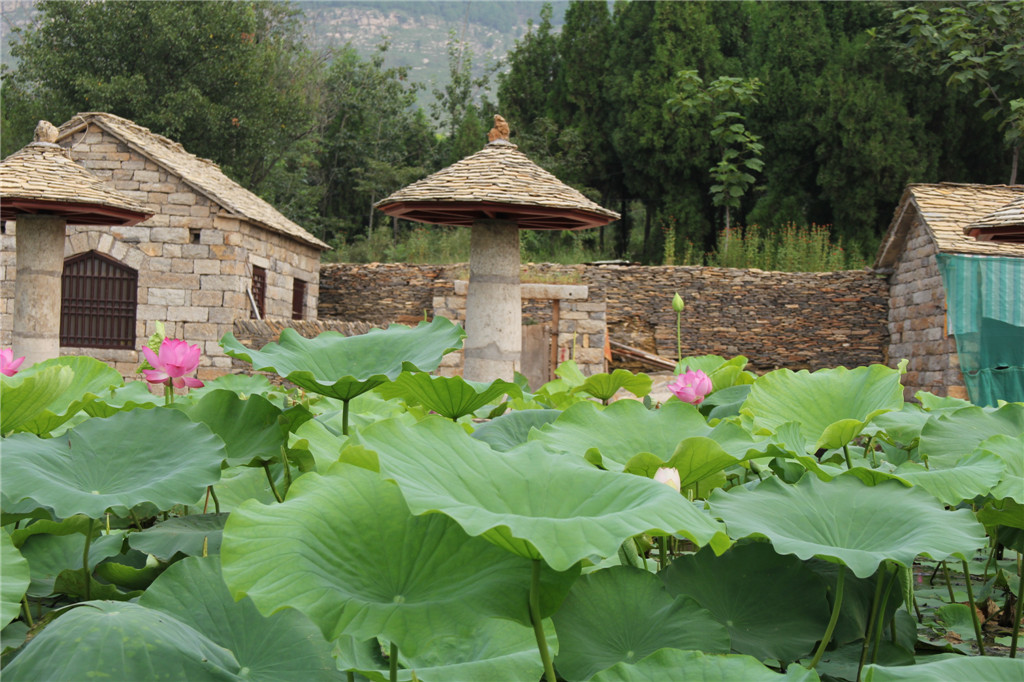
pixel 739 152
pixel 229 80
pixel 976 46
pixel 459 106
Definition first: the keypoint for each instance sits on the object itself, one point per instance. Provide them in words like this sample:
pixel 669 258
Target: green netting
pixel 985 313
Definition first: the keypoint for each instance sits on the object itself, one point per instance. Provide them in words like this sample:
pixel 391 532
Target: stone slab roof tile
pixel 41 177
pixel 202 175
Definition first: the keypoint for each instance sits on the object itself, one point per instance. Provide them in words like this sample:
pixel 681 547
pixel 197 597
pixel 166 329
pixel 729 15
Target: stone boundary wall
pixel 799 320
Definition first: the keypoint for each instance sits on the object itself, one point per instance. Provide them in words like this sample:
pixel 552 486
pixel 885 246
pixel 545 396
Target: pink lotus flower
pixel 176 359
pixel 8 363
pixel 669 477
pixel 691 386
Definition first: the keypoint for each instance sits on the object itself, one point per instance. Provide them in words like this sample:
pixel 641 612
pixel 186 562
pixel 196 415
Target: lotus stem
pixel 135 519
pixel 287 469
pixel 840 583
pixel 350 676
pixel 974 611
pixel 538 625
pixel 344 417
pixel 949 582
pixel 273 488
pixel 216 502
pixel 393 663
pixel 846 453
pixel 1016 620
pixel 28 613
pixel 85 561
pixel 871 620
pixel 662 552
pixel 881 616
pixel 168 393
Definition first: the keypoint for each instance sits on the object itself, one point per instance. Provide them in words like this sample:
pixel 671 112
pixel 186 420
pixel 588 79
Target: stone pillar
pixel 494 308
pixel 40 263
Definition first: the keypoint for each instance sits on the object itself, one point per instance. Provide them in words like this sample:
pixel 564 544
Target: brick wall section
pixel 917 316
pixel 795 320
pixel 193 259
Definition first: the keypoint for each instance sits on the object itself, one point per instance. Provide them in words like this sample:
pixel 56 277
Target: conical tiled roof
pixel 41 178
pixel 499 182
pixel 1006 223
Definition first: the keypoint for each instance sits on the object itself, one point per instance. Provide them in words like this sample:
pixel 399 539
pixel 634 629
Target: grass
pixel 791 248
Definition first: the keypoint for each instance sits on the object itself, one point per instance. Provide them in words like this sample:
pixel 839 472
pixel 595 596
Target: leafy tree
pixel 976 46
pixel 738 149
pixel 525 92
pixel 229 80
pixel 460 107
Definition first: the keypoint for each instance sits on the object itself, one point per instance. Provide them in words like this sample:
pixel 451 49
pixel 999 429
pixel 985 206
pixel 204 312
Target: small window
pixel 194 235
pixel 98 302
pixel 259 292
pixel 298 299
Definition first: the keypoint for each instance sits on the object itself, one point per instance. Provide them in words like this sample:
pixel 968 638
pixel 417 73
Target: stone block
pixel 173 235
pixel 165 297
pixel 182 265
pixel 201 331
pixel 192 313
pixel 218 282
pixel 209 299
pixel 186 198
pixel 206 266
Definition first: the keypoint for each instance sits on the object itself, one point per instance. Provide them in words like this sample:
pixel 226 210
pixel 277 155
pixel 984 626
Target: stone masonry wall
pixel 776 319
pixel 917 315
pixel 192 260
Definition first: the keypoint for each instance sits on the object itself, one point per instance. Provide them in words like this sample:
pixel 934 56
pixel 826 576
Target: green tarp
pixel 985 313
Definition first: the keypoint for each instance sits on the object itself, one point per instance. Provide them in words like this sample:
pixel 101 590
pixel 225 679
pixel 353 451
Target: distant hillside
pixel 417 30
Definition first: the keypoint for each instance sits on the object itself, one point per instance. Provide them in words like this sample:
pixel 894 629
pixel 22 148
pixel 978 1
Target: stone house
pixel 212 252
pixel 956 309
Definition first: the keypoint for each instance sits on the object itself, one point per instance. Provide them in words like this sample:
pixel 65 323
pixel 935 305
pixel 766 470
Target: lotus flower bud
pixel 669 476
pixel 677 303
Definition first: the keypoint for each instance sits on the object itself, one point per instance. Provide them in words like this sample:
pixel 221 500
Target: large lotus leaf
pixel 50 555
pixel 622 614
pixel 344 549
pixel 16 577
pixel 156 456
pixel 973 475
pixel 342 366
pixel 134 394
pixel 726 402
pixel 987 668
pixel 509 430
pixel 621 430
pixel 492 649
pixel 253 430
pixel 90 377
pixel 831 405
pixel 239 484
pixel 603 386
pixel 26 396
pixel 194 592
pixel 951 436
pixel 751 590
pixel 1003 512
pixel 185 534
pixel 1011 451
pixel 244 385
pixel 674 664
pixel 74 524
pixel 450 397
pixel 847 522
pixel 526 500
pixel 120 641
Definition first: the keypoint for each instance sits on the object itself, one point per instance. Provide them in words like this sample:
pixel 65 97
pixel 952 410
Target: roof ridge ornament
pixel 46 132
pixel 500 130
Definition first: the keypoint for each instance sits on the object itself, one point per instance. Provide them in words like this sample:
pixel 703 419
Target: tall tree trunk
pixel 647 232
pixel 1013 165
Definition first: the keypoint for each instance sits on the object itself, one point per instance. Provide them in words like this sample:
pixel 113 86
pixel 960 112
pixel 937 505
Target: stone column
pixel 40 262
pixel 494 308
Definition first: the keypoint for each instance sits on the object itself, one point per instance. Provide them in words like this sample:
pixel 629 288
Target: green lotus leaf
pixel 986 668
pixel 831 405
pixel 510 430
pixel 16 577
pixel 675 664
pixel 774 625
pixel 239 484
pixel 133 395
pixel 194 592
pixel 342 366
pixel 932 402
pixel 493 649
pixel 185 534
pixel 50 555
pixel 427 576
pixel 129 577
pixel 858 596
pixel 949 437
pixel 621 430
pixel 703 363
pixel 846 522
pixel 27 395
pixel 120 641
pixel 622 614
pixel 156 456
pixel 971 476
pixel 243 385
pixel 450 397
pixel 1003 512
pixel 1011 451
pixel 726 402
pixel 526 500
pixel 90 377
pixel 322 443
pixel 253 430
pixel 75 583
pixel 603 386
pixel 69 526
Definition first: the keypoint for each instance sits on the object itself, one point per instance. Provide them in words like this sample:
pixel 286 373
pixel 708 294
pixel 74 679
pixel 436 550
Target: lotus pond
pixel 375 521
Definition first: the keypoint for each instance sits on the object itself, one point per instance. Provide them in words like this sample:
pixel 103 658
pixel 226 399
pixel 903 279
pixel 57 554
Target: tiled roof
pixel 947 209
pixel 1003 220
pixel 42 178
pixel 202 175
pixel 499 182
